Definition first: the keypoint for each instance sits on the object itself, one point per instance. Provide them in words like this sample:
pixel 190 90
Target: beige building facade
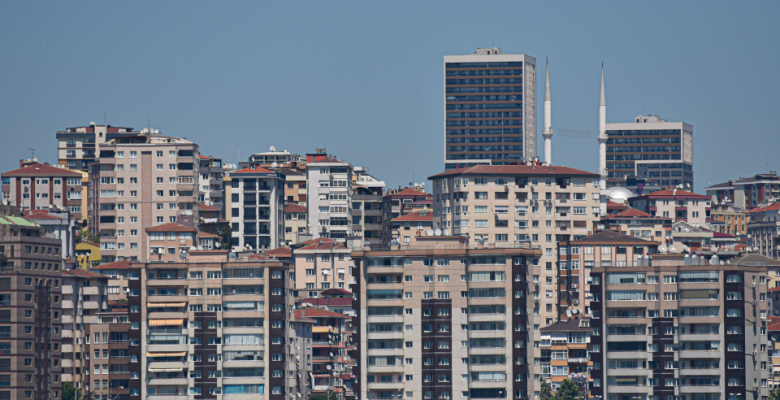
pixel 322 264
pixel 512 204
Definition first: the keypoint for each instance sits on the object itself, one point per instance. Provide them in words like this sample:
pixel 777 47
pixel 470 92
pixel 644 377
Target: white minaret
pixel 547 133
pixel 602 136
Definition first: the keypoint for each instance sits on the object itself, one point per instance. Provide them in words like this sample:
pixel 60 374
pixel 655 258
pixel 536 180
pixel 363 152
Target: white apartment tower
pixel 257 208
pixel 328 196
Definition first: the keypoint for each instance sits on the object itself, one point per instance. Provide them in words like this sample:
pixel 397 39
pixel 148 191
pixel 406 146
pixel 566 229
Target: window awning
pixel 625 380
pixel 161 305
pixel 165 322
pixel 165 369
pixel 177 354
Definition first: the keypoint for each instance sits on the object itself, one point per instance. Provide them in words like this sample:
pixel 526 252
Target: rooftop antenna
pixel 32 153
pixel 149 123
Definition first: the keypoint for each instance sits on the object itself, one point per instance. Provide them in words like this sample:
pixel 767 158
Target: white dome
pixel 619 194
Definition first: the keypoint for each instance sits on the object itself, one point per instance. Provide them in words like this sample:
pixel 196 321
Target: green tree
pixel 568 391
pixel 774 394
pixel 323 396
pixel 546 393
pixel 84 235
pixel 227 237
pixel 69 392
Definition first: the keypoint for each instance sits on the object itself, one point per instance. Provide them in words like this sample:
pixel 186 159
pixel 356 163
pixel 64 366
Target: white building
pixel 257 208
pixel 328 196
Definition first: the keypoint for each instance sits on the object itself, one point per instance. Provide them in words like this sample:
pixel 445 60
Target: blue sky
pixel 364 79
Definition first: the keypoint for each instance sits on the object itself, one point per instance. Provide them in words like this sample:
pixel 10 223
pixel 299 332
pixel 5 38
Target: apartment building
pixel 651 148
pixel 119 274
pixel 294 223
pixel 256 208
pixel 58 224
pixel 36 186
pixel 398 202
pixel 728 219
pixel 170 242
pixel 294 185
pixel 407 228
pixel 490 108
pixel 321 264
pixel 335 300
pixel 445 320
pixel 30 311
pixel 576 260
pixel 763 229
pixel 640 224
pixel 747 193
pixel 211 184
pixel 211 219
pixel 329 196
pixel 78 146
pixel 273 156
pixel 675 203
pixel 109 351
pixel 671 328
pixel 565 349
pixel 331 345
pixel 505 205
pixel 214 328
pixel 88 254
pixel 84 296
pixel 137 183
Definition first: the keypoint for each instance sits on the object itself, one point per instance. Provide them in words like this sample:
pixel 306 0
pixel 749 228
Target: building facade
pixel 320 265
pixel 652 148
pixel 668 327
pixel 747 193
pixel 30 312
pixel 78 147
pixel 566 350
pixel 211 184
pixel 445 321
pixel 294 223
pixel 490 108
pixel 36 186
pixel 329 196
pixel 398 202
pixel 213 328
pixel 138 183
pixel 505 205
pixel 257 208
pixel 681 205
pixel 763 229
pixel 407 228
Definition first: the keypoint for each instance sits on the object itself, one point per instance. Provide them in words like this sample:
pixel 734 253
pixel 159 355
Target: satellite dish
pixel 446 232
pixel 328 367
pixel 662 248
pixel 429 232
pixel 274 164
pixel 568 313
pixel 438 232
pixel 575 311
pixel 273 148
pixel 674 248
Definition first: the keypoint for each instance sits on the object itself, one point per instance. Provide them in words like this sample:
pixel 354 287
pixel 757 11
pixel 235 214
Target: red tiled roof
pixel 673 193
pixel 41 169
pixel 252 170
pixel 332 302
pixel 310 241
pixel 722 235
pixel 336 291
pixel 773 207
pixel 114 265
pixel 415 216
pixel 611 205
pixel 294 208
pixel 202 157
pixel 171 227
pixel 84 273
pixel 255 257
pixel 410 192
pixel 774 289
pixel 631 212
pixel 279 252
pixel 312 312
pixel 331 245
pixel 514 170
pixel 206 234
pixel 39 214
pixel 206 207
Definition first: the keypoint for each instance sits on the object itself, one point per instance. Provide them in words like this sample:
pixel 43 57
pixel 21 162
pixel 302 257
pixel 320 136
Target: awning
pixel 161 305
pixel 625 380
pixel 178 354
pixel 165 322
pixel 165 369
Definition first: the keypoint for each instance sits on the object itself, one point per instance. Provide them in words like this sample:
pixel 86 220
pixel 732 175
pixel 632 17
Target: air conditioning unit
pixel 575 302
pixel 574 286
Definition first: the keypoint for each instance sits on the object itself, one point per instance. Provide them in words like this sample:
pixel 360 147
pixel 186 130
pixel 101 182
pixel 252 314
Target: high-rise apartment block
pixel 257 208
pixel 443 321
pixel 213 328
pixel 651 148
pixel 763 228
pixel 36 186
pixel 30 311
pixel 747 193
pixel 672 328
pixel 490 108
pixel 505 205
pixel 366 205
pixel 211 183
pixel 329 196
pixel 78 147
pixel 139 182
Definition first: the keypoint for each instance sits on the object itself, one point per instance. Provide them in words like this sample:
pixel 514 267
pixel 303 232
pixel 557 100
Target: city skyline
pixel 169 72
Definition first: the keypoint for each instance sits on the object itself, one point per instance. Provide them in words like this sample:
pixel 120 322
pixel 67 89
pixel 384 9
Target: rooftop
pixel 608 236
pixel 416 216
pixel 171 227
pixel 114 265
pixel 313 312
pixel 549 170
pixel 294 208
pixel 39 169
pixel 773 207
pixel 83 273
pixel 673 193
pixel 571 325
